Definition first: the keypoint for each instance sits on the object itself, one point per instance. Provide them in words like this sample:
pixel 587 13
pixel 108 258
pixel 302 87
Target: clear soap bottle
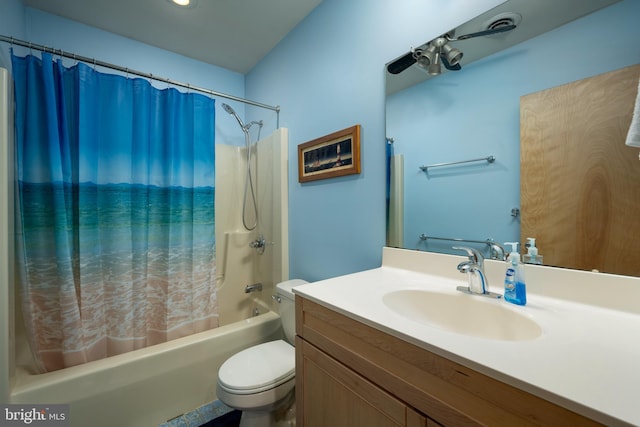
pixel 532 256
pixel 515 290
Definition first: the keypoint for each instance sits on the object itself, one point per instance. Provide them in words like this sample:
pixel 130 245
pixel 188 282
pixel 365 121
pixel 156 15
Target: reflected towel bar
pixel 496 251
pixel 486 242
pixel 489 159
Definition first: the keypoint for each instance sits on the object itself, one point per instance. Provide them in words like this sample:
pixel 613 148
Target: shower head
pixel 228 109
pixel 231 111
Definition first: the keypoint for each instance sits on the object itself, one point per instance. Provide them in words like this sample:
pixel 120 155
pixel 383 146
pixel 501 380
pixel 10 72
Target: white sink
pixel 463 314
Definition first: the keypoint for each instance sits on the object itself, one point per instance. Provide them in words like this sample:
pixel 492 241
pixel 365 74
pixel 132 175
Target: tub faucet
pixel 474 268
pixel 252 288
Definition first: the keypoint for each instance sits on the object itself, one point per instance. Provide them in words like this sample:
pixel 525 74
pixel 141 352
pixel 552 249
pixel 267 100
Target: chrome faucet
pixel 474 268
pixel 252 288
pixel 259 244
pixel 497 251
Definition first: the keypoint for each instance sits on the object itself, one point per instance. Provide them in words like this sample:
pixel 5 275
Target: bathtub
pixel 149 386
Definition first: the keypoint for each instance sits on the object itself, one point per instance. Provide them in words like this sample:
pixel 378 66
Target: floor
pixel 214 414
pixel 230 419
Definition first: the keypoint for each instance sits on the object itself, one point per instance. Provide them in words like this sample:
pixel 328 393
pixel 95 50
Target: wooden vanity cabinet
pixel 336 396
pixel 350 374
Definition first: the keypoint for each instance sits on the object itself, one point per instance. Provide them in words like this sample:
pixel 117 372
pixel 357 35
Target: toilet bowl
pixel 260 380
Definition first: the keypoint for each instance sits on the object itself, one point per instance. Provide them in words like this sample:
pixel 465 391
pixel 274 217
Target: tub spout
pixel 252 288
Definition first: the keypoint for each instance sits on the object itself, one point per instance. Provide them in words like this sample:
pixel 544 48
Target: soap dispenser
pixel 532 256
pixel 515 290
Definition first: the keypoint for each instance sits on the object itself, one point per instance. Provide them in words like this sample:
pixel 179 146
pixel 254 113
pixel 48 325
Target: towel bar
pixel 489 159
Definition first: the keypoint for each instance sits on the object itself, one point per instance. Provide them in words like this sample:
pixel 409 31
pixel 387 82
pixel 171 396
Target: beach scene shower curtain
pixel 115 218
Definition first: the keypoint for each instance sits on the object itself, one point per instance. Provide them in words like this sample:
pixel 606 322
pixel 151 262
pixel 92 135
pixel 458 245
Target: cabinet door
pixel 335 396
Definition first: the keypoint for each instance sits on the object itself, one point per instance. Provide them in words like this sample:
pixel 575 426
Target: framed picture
pixel 336 154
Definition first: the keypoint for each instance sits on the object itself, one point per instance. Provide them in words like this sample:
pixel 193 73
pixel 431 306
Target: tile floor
pixel 214 414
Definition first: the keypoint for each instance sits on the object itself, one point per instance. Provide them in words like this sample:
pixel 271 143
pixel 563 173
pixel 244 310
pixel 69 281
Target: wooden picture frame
pixel 336 154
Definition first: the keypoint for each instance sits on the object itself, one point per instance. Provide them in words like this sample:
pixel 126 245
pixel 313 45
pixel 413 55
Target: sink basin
pixel 463 314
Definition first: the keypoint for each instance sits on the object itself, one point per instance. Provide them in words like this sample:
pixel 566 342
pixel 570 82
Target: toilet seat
pixel 258 368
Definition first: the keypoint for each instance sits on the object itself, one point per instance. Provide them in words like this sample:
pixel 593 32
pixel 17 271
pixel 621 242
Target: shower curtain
pixel 115 212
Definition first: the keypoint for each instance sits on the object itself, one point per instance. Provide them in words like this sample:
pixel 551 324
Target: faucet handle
pixel 474 255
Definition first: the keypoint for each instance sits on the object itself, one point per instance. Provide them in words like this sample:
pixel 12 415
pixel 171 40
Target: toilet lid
pixel 258 368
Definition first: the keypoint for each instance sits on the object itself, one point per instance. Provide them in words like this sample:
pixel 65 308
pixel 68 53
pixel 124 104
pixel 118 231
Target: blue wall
pixel 11 24
pixel 475 113
pixel 326 75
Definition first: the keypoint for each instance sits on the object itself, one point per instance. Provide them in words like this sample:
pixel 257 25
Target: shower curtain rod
pixel 94 61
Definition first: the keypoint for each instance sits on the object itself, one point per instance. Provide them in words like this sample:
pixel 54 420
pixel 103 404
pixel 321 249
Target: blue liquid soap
pixel 515 290
pixel 517 294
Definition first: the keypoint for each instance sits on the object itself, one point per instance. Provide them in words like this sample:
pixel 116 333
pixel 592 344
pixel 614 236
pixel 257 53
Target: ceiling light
pixel 434 68
pixel 423 57
pixel 453 55
pixel 183 3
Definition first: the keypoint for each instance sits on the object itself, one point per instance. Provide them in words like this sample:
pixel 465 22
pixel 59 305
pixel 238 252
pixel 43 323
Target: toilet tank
pixel 286 307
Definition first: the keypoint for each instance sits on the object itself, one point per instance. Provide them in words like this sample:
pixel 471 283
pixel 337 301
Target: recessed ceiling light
pixel 183 3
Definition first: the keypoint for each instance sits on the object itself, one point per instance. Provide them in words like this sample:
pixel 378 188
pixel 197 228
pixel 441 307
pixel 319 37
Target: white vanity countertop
pixel 587 358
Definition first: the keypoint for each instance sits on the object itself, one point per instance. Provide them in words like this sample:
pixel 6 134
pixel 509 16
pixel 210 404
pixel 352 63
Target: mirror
pixel 455 155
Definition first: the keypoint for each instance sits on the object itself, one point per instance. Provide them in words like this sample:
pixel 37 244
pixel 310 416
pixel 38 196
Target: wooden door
pixel 579 182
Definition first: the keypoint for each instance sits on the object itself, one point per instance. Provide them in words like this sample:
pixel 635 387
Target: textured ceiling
pixel 233 34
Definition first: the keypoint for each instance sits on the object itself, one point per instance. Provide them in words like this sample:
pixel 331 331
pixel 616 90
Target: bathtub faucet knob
pixel 260 242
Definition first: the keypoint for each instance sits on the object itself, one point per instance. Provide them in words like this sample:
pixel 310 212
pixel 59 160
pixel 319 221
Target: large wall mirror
pixel 454 134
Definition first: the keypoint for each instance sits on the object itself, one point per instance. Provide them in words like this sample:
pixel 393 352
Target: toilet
pixel 260 380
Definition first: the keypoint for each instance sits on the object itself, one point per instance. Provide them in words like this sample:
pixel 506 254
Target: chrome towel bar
pixel 496 250
pixel 488 159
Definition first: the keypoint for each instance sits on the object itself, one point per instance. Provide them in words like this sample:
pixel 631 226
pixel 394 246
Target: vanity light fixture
pixel 436 52
pixel 430 55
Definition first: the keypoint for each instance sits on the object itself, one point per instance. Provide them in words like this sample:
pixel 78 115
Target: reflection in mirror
pixel 474 113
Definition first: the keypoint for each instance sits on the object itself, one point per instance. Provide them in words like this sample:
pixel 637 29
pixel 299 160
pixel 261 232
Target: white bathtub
pixel 149 386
